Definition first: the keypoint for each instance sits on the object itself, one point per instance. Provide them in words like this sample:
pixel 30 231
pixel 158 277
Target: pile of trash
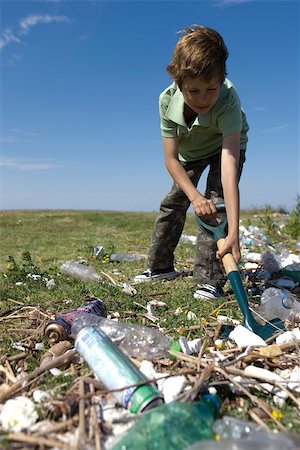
pixel 136 387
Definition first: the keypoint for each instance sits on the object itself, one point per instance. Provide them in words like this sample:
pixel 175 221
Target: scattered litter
pixel 120 257
pixel 288 336
pixel 190 347
pixel 18 414
pixel 184 238
pixel 244 337
pixel 128 289
pixel 99 251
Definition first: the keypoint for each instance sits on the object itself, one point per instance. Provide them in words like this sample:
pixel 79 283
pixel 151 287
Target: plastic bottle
pixel 238 434
pixel 174 425
pixel 119 257
pixel 80 271
pixel 134 340
pixel 262 440
pixel 276 304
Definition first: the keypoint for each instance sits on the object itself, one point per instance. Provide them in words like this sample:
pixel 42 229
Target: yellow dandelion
pixel 204 321
pixel 277 414
pixel 217 437
pixel 179 330
pixel 9 266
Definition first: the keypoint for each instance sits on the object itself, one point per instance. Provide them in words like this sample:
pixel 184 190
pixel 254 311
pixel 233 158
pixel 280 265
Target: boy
pixel 202 125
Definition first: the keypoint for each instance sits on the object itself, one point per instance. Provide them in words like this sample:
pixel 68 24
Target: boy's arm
pixel 202 206
pixel 229 178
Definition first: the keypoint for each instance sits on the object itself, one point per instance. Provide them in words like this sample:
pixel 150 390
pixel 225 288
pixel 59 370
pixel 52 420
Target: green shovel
pixel 218 233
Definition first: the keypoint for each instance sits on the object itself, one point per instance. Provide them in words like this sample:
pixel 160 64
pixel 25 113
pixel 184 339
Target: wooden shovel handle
pixel 228 259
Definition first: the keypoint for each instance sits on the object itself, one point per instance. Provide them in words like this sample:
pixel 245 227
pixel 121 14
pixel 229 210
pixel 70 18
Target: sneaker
pixel 156 275
pixel 207 291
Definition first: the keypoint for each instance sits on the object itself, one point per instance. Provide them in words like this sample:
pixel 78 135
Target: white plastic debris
pixel 50 284
pixel 252 257
pixel 190 347
pixel 170 387
pixel 128 289
pixel 40 396
pixel 188 238
pixel 158 303
pixel 18 414
pixel 287 259
pixel 191 316
pixel 288 336
pixel 151 310
pixel 228 320
pixel 245 338
pixel 251 265
pixel 39 346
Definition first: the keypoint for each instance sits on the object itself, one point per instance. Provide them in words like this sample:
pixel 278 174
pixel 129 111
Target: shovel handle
pixel 228 259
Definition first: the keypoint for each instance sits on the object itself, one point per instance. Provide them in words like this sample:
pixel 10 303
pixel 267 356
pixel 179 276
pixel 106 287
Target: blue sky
pixel 80 82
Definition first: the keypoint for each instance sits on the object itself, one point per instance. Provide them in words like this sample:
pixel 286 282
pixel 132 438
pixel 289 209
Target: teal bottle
pixel 173 426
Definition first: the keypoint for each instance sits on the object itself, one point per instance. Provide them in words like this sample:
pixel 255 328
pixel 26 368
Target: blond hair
pixel 200 52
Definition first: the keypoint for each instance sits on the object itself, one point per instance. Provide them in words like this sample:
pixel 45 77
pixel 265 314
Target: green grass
pixel 37 242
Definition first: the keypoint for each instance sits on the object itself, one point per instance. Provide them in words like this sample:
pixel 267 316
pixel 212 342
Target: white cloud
pixel 278 128
pixel 18 135
pixel 225 3
pixel 7 37
pixel 25 25
pixel 19 164
pixel 259 108
pixel 35 19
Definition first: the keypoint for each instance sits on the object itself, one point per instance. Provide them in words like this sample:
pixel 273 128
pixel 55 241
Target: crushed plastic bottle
pixel 276 304
pixel 238 434
pixel 174 425
pixel 80 271
pixel 119 257
pixel 262 440
pixel 134 340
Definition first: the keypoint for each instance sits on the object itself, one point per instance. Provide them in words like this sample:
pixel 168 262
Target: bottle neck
pixel 214 401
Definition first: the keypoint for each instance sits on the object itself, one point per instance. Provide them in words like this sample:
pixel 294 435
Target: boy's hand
pixel 204 207
pixel 231 245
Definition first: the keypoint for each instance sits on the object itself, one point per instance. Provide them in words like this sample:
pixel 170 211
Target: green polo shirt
pixel 205 135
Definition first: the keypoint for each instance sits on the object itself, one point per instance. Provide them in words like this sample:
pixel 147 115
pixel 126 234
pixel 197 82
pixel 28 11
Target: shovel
pixel 218 233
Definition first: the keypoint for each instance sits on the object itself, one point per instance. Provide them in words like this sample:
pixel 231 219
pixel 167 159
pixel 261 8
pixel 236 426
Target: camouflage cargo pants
pixel 170 223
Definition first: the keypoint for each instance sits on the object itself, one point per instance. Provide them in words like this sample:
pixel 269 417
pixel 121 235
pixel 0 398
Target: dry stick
pixel 17 357
pixel 258 420
pixel 218 330
pixel 22 384
pixel 22 437
pixel 58 427
pixel 8 366
pixel 82 436
pixel 253 398
pixel 15 301
pixel 94 419
pixel 109 277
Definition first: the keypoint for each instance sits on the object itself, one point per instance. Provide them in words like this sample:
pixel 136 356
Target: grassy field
pixel 38 242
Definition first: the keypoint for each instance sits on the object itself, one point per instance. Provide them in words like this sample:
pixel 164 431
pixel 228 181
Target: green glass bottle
pixel 173 426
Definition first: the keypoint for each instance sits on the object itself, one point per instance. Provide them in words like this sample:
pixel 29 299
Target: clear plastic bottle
pixel 80 271
pixel 262 440
pixel 119 257
pixel 174 425
pixel 276 304
pixel 134 340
